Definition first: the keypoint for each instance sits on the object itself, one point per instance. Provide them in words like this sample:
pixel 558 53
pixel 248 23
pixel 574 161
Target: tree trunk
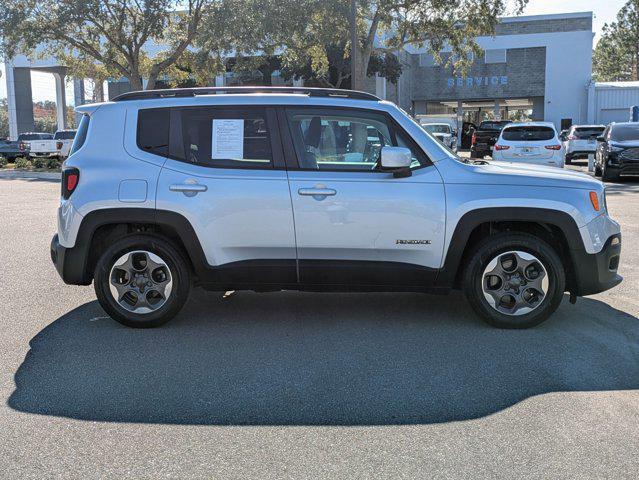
pixel 136 81
pixel 361 66
pixel 98 90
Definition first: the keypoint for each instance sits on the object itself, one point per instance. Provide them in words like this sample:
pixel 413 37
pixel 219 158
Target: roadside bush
pixel 3 162
pixel 39 162
pixel 53 163
pixel 22 163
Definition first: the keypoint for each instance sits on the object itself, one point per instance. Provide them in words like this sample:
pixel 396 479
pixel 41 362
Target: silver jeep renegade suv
pixel 313 189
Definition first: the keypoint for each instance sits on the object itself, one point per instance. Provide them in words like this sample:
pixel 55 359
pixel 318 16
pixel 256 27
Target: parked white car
pixel 442 132
pixel 532 143
pixel 63 141
pixel 582 141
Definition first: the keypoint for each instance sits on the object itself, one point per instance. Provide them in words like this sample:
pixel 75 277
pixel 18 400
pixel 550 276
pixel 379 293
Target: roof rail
pixel 192 92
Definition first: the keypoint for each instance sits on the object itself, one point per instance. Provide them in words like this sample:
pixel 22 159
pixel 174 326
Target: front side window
pixel 221 137
pixel 343 140
pixel 528 134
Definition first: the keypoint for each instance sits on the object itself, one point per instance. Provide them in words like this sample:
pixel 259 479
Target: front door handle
pixel 188 189
pixel 315 192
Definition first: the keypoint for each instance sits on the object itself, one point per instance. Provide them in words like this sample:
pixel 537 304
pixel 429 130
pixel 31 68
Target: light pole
pixel 353 28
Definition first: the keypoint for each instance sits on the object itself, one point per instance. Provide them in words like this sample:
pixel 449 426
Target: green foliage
pixel 22 163
pixel 39 162
pixel 4 118
pixel 110 33
pixel 3 161
pixel 616 57
pixel 53 163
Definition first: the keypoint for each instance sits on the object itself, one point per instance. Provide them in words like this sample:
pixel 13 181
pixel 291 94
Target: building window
pixel 497 55
pixel 426 60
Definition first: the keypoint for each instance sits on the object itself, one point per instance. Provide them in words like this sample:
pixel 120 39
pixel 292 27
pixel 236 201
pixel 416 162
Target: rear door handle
pixel 188 189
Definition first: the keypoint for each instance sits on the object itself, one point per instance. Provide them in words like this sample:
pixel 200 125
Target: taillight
pixel 58 145
pixel 553 147
pixel 501 147
pixel 473 139
pixel 70 179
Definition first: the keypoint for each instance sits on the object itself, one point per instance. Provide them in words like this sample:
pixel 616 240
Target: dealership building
pixel 534 67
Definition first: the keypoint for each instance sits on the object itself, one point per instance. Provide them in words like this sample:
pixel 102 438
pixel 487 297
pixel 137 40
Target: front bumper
pixel 595 273
pixel 69 262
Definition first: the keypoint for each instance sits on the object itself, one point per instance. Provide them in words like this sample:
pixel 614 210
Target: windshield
pixel 588 132
pixel 433 128
pixel 492 125
pixel 625 133
pixel 528 133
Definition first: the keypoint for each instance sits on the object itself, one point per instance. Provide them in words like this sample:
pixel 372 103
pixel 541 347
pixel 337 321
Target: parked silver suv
pixel 314 189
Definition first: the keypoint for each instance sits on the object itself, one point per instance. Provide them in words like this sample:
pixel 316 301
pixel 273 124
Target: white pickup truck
pixel 40 144
pixel 63 141
pixel 47 144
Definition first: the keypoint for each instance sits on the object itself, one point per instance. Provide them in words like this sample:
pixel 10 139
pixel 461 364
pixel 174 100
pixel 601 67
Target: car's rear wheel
pixel 568 159
pixel 514 280
pixel 142 281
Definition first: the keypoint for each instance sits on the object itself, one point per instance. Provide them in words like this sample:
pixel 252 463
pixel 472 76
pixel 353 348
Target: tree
pixel 616 57
pixel 111 33
pixel 313 35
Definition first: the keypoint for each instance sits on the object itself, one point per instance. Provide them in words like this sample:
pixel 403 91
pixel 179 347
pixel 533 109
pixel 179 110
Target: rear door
pixel 355 224
pixel 225 174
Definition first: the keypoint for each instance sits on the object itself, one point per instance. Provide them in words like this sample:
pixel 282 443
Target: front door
pixel 355 224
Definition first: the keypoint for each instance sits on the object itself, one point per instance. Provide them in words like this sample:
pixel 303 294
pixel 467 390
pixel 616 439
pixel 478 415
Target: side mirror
pixel 397 160
pixel 601 138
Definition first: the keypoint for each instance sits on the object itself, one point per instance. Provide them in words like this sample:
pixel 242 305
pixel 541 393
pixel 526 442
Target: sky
pixel 43 86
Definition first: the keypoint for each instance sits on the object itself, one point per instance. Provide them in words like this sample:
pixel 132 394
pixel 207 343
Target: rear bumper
pixel 69 262
pixel 582 153
pixel 595 273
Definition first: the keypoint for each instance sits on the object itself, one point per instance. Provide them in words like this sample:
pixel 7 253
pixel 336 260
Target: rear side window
pixel 528 134
pixel 81 134
pixel 221 137
pixel 497 126
pixel 153 130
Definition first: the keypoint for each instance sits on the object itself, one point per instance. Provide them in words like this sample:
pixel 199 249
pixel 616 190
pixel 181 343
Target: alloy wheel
pixel 140 281
pixel 515 283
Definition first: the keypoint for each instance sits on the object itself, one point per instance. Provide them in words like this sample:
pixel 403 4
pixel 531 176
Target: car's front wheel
pixel 142 281
pixel 514 280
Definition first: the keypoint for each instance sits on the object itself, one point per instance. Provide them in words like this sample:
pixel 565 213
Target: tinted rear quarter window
pixel 153 130
pixel 64 135
pixel 528 134
pixel 625 133
pixel 81 134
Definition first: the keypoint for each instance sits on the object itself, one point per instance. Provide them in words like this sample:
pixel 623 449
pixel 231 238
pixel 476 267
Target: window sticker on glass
pixel 227 139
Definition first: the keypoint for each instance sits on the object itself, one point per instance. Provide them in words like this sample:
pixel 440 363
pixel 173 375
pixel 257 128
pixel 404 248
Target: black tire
pixel 568 159
pixel 487 250
pixel 178 268
pixel 597 170
pixel 608 176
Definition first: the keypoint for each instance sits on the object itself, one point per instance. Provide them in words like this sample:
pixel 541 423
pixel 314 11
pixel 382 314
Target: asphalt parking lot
pixel 304 385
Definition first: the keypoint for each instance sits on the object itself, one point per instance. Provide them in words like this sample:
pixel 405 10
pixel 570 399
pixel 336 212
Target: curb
pixel 16 174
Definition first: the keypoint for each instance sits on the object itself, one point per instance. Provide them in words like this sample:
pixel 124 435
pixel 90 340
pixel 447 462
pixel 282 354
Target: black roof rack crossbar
pixel 192 92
